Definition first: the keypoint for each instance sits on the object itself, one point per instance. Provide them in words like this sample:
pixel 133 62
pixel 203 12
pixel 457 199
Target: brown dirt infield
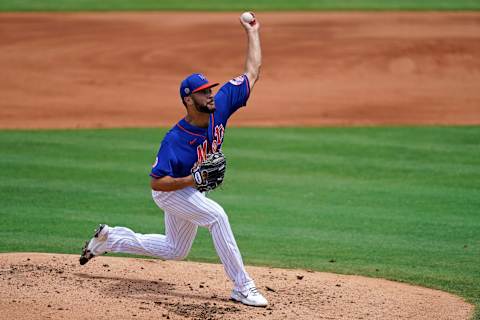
pixel 43 286
pixel 123 70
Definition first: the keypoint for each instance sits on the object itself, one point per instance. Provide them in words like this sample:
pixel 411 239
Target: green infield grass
pixel 227 5
pixel 396 203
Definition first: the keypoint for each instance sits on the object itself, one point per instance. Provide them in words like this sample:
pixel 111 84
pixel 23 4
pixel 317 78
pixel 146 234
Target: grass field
pixel 226 5
pixel 396 203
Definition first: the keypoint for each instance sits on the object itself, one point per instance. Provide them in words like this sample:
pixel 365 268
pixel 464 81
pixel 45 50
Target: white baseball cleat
pixel 95 246
pixel 252 298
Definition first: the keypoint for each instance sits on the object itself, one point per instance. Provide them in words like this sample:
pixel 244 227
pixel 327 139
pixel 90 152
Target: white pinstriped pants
pixel 185 210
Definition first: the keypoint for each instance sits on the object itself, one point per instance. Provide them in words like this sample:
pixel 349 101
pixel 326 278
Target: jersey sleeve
pixel 234 94
pixel 164 163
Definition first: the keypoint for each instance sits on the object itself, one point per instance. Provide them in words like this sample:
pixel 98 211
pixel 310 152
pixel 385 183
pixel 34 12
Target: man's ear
pixel 187 100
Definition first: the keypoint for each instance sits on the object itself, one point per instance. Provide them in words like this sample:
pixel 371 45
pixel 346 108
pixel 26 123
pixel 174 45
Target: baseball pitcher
pixel 189 162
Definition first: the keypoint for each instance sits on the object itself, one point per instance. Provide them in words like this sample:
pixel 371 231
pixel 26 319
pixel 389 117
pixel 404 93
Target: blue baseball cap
pixel 194 83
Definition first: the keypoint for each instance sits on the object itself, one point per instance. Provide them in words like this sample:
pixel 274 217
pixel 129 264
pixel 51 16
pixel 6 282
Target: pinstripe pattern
pixel 185 210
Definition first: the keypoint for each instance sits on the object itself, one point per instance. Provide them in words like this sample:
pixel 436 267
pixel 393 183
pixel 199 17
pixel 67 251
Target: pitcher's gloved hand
pixel 209 174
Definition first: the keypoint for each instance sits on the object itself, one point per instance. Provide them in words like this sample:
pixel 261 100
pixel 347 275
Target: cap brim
pixel 205 86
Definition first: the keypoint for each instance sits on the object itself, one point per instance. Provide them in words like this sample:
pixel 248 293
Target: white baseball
pixel 247 17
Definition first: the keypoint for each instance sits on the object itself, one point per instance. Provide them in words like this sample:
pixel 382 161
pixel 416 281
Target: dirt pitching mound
pixel 55 286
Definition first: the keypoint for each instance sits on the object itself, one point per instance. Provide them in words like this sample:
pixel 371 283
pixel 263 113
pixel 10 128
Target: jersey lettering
pixel 202 151
pixel 214 146
pixel 218 137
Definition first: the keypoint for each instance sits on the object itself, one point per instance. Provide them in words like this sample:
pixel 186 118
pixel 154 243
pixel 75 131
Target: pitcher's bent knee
pixel 219 216
pixel 178 255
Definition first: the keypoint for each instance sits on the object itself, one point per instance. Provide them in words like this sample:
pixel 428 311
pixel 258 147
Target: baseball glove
pixel 209 174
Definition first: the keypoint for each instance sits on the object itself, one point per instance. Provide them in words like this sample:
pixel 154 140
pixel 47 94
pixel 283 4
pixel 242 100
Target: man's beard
pixel 203 108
